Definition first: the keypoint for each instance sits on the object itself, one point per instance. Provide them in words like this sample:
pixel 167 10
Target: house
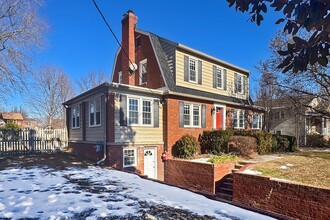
pixel 160 91
pixel 286 116
pixel 29 123
pixel 14 117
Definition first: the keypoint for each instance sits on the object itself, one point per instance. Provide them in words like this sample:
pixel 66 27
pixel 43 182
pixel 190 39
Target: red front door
pixel 219 119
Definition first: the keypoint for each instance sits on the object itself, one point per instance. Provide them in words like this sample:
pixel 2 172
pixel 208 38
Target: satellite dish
pixel 133 67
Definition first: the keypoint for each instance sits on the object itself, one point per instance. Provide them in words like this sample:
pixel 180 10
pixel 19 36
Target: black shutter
pixel 224 79
pixel 181 108
pixel 186 68
pixel 156 113
pixel 244 85
pixel 203 116
pixel 123 110
pixel 68 121
pixel 246 115
pixel 199 72
pixel 214 77
pixel 235 82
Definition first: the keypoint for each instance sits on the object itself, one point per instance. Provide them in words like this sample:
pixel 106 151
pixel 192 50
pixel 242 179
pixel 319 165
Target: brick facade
pixel 297 201
pixel 201 177
pixel 172 131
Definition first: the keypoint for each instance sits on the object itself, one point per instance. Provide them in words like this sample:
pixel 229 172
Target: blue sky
pixel 80 42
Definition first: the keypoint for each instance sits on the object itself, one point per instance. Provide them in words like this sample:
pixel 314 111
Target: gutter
pixel 106 94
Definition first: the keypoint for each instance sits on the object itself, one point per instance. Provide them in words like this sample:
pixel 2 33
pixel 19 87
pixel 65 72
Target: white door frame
pixel 215 106
pixel 155 158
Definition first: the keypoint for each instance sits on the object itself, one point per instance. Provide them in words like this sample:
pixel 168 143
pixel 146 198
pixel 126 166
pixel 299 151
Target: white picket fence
pixel 28 141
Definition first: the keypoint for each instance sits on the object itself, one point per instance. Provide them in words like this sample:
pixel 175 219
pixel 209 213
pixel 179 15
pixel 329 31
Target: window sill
pixel 138 125
pixel 126 166
pixel 187 126
pixel 75 128
pixel 94 126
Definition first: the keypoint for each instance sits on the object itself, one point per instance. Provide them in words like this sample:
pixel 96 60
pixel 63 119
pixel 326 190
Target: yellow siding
pixel 138 134
pixel 207 78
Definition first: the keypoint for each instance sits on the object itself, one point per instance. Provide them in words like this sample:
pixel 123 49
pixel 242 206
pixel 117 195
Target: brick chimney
pixel 128 42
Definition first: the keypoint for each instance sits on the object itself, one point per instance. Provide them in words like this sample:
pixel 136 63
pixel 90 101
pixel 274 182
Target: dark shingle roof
pixel 169 76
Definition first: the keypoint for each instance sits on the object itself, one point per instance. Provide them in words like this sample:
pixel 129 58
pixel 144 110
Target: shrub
pixel 265 142
pixel 317 140
pixel 186 147
pixel 245 146
pixel 225 158
pixel 284 143
pixel 216 141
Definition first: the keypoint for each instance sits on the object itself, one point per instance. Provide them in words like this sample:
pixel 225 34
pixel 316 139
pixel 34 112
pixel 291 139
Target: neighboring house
pixel 14 117
pixel 160 91
pixel 29 123
pixel 287 117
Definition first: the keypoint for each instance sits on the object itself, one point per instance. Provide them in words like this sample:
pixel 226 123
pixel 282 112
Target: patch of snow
pixel 284 167
pixel 253 172
pixel 284 180
pixel 289 165
pixel 61 194
pixel 201 160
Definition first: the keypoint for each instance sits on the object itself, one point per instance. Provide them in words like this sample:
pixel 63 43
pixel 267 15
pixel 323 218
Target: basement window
pixel 129 157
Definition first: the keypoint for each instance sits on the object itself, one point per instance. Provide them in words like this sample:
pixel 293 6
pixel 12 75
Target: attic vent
pixel 138 41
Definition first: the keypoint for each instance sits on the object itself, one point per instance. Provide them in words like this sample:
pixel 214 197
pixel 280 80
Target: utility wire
pixel 114 35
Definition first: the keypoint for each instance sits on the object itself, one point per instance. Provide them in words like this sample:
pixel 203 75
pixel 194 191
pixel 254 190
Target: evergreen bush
pixel 187 147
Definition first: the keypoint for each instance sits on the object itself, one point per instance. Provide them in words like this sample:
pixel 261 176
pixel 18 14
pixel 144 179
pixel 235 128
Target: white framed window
pixel 129 157
pixel 140 111
pixel 219 78
pixel 256 121
pixel 238 119
pixel 239 83
pixel 95 112
pixel 191 115
pixel 120 77
pixel 193 67
pixel 76 117
pixel 143 71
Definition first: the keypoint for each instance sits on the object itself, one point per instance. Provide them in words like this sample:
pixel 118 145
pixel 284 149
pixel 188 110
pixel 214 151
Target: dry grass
pixel 310 167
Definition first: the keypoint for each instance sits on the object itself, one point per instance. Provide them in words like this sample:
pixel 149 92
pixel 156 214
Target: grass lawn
pixel 307 166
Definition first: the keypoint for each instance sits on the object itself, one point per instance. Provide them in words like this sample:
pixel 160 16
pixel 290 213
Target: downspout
pixel 106 94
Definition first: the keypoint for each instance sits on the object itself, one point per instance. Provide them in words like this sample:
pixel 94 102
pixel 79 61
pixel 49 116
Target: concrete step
pixel 227 184
pixel 246 162
pixel 234 170
pixel 224 196
pixel 225 190
pixel 239 166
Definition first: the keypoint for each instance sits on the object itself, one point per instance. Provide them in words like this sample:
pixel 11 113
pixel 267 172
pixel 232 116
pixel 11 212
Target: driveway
pixel 62 187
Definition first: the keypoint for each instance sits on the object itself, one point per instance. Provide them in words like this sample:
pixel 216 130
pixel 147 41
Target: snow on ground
pixel 59 194
pixel 201 160
pixel 251 171
pixel 286 166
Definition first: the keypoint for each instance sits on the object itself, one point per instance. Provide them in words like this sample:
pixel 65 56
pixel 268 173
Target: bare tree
pixel 21 35
pixel 50 88
pixel 300 87
pixel 91 80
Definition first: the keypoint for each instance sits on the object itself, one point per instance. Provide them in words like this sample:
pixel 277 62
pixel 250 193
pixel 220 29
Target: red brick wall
pixel 195 176
pixel 290 199
pixel 115 159
pixel 154 77
pixel 86 150
pixel 172 131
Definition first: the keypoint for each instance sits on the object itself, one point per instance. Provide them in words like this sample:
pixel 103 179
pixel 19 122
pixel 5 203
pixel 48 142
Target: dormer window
pixel 143 72
pixel 219 78
pixel 239 84
pixel 193 76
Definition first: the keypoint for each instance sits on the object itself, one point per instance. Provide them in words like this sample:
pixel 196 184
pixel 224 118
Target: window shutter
pixel 245 85
pixel 224 79
pixel 199 72
pixel 243 82
pixel 235 82
pixel 246 115
pixel 68 120
pixel 186 68
pixel 156 113
pixel 181 107
pixel 214 77
pixel 123 110
pixel 203 116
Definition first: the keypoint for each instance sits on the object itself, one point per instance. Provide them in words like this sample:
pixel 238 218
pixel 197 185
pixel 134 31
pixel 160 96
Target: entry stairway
pixel 224 189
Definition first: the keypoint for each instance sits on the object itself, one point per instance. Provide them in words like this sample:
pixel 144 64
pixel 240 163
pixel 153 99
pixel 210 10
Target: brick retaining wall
pixel 194 175
pixel 294 200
